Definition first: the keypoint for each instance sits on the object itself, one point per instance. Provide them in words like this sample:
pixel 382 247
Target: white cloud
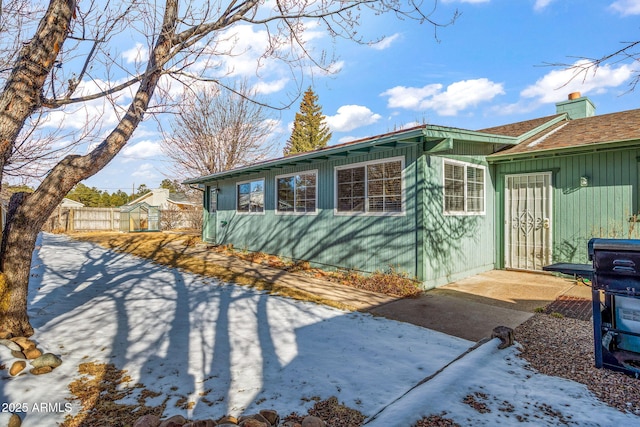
pixel 555 85
pixel 146 171
pixel 350 117
pixel 541 4
pixel 142 150
pixel 458 96
pixel 136 54
pixel 626 7
pixel 267 88
pixel 385 42
pixel 410 98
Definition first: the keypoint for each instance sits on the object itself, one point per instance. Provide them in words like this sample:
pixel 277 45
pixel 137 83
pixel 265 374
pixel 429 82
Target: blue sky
pixel 489 68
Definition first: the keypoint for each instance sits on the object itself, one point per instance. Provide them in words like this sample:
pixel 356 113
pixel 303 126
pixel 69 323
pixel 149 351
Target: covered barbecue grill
pixel 615 278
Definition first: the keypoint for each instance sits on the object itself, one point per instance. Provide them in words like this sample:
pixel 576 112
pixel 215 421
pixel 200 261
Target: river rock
pixel 18 354
pixel 47 359
pixel 10 345
pixel 271 416
pixel 24 343
pixel 32 353
pixel 148 420
pixel 17 367
pixel 41 370
pixel 15 421
pixel 175 421
pixel 252 422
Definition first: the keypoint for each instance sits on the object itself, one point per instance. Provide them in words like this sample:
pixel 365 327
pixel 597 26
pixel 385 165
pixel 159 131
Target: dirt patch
pixel 98 391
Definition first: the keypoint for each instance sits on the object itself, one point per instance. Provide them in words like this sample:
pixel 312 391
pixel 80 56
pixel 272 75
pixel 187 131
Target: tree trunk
pixel 13 297
pixel 30 215
pixel 21 94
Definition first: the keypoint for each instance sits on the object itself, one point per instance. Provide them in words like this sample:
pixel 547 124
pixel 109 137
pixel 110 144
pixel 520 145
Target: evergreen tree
pixel 310 130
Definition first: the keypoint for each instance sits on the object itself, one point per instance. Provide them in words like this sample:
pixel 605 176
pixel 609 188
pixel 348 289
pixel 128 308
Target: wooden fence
pixel 108 219
pixel 84 219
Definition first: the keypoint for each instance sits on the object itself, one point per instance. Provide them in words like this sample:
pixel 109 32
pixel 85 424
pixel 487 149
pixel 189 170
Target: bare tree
pixel 75 46
pixel 585 67
pixel 218 129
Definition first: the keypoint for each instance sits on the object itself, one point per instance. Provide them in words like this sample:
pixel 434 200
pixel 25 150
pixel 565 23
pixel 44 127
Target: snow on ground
pixel 182 335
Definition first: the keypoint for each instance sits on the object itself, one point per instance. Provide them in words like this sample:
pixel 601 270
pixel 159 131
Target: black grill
pixel 615 281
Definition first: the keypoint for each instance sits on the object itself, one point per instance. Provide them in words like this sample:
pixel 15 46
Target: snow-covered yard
pixel 188 336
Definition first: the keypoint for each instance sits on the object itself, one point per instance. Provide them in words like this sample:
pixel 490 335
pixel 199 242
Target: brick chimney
pixel 577 106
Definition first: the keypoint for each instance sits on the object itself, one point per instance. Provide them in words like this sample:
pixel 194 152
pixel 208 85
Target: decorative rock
pixel 41 370
pixel 10 345
pixel 312 421
pixel 24 343
pixel 15 421
pixel 271 416
pixel 18 354
pixel 32 353
pixel 256 417
pixel 175 421
pixel 252 422
pixel 47 359
pixel 291 424
pixel 201 423
pixel 229 419
pixel 17 367
pixel 505 334
pixel 148 420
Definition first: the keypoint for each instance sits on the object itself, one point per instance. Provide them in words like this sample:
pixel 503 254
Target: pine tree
pixel 310 131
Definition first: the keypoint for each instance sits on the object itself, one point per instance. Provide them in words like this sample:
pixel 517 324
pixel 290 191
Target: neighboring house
pixel 70 204
pixel 164 199
pixel 436 202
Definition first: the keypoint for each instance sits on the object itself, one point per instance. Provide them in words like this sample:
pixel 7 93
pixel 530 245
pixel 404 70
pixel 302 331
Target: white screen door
pixel 528 221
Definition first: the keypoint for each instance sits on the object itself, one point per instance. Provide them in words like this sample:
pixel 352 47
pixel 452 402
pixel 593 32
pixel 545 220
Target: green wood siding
pixel 361 242
pixel 601 209
pixel 455 246
pixel 423 242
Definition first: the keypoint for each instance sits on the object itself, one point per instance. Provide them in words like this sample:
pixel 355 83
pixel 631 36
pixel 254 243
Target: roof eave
pixel 397 140
pixel 571 150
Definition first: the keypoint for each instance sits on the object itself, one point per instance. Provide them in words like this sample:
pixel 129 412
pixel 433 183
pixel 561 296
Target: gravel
pixel 563 347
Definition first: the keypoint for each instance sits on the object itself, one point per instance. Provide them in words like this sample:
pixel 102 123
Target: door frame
pixel 547 221
pixel 211 225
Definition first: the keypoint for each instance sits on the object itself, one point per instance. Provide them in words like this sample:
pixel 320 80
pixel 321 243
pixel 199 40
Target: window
pixel 250 196
pixel 463 188
pixel 213 200
pixel 373 187
pixel 296 193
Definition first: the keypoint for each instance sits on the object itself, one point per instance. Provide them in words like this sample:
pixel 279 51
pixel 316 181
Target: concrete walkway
pixel 468 309
pixel 472 307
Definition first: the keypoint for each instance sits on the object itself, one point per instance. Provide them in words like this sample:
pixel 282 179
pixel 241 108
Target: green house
pixel 436 202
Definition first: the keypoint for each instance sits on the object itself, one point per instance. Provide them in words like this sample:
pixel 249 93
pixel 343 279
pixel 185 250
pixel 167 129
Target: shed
pixel 139 217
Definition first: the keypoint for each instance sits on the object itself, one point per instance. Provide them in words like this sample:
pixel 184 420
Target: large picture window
pixel 250 196
pixel 372 187
pixel 464 188
pixel 296 193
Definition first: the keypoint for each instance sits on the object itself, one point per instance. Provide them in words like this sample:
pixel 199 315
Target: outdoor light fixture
pixel 584 181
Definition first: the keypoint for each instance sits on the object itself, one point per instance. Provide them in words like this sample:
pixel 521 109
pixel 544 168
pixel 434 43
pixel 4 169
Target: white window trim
pixel 366 198
pixel 484 188
pixel 264 198
pixel 287 175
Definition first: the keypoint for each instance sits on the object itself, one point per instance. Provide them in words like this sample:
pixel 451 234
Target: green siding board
pixel 365 243
pixel 455 245
pixel 600 209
